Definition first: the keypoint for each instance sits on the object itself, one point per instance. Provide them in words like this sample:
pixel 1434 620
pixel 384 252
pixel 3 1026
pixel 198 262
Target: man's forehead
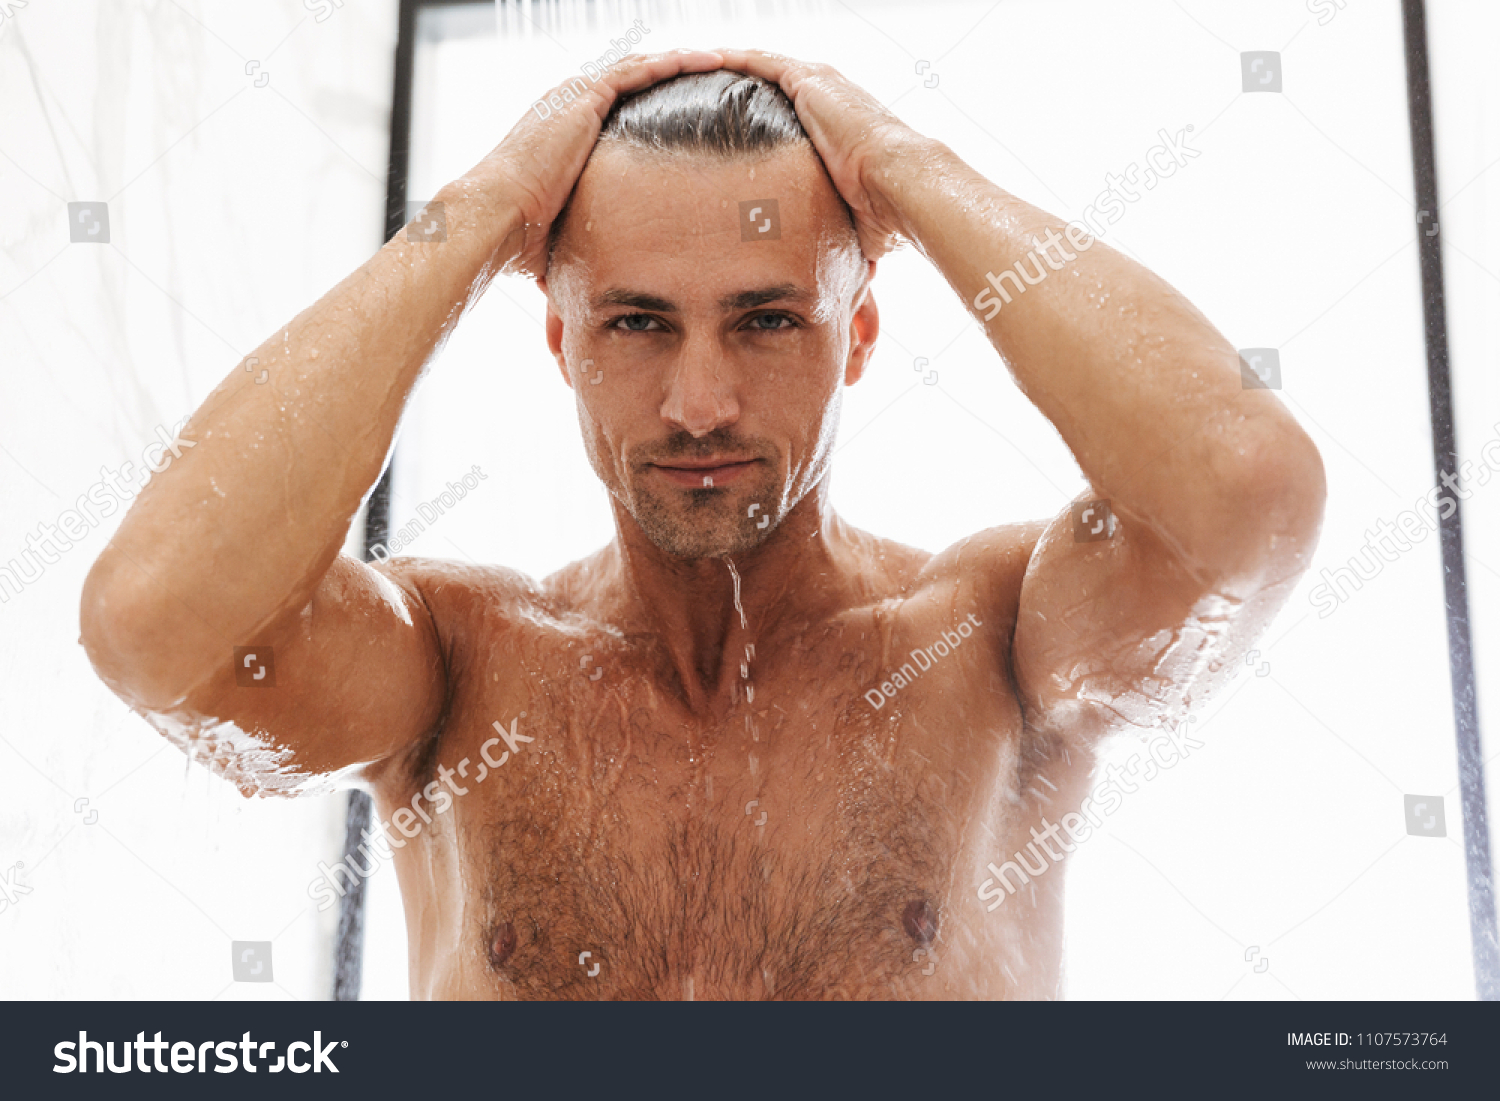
pixel 665 234
pixel 686 272
pixel 633 195
pixel 622 173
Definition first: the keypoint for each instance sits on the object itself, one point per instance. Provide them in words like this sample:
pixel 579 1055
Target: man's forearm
pixel 1144 390
pixel 236 534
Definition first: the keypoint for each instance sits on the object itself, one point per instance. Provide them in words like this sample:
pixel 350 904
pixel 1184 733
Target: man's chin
pixel 712 530
pixel 682 544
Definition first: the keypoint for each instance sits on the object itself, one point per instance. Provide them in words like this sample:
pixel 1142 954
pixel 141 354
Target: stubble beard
pixel 705 523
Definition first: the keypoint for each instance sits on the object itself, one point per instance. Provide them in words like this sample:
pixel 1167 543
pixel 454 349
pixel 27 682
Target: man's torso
pixel 802 843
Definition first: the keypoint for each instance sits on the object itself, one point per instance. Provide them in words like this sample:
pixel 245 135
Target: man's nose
pixel 700 394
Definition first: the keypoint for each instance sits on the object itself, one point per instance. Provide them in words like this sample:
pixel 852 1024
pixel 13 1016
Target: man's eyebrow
pixel 748 300
pixel 740 300
pixel 636 300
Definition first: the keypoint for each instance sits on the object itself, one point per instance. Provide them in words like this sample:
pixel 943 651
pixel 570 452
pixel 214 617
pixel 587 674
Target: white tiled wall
pixel 241 152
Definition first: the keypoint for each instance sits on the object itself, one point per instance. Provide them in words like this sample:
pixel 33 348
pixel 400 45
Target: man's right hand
pixel 535 167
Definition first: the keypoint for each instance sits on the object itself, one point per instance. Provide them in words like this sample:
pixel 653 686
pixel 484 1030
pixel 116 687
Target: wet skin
pixel 697 797
pixel 801 844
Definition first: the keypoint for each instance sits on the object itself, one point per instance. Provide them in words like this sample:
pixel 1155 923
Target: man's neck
pixel 705 613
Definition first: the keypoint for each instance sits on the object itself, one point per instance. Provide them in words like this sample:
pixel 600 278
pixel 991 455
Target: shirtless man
pixel 713 762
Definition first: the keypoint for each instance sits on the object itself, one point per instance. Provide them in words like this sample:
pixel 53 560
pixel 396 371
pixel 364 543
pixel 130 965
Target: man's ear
pixel 554 332
pixel 864 329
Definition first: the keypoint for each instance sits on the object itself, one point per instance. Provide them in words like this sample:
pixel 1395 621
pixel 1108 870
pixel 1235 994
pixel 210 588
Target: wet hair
pixel 722 114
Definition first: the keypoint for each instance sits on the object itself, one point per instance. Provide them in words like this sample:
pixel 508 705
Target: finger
pixel 633 73
pixel 874 245
pixel 630 74
pixel 768 66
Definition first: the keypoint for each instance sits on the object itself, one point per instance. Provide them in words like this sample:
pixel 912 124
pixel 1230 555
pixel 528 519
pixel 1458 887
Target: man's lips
pixel 703 473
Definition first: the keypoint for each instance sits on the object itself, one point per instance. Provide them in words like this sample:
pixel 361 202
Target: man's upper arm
pixel 356 678
pixel 1118 632
pixel 985 571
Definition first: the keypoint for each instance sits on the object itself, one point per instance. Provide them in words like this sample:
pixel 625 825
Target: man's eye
pixel 776 322
pixel 636 323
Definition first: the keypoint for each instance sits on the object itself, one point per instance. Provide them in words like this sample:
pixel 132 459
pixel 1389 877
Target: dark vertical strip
pixel 400 158
pixel 349 947
pixel 1445 457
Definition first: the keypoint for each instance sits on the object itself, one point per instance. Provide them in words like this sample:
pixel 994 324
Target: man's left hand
pixel 863 146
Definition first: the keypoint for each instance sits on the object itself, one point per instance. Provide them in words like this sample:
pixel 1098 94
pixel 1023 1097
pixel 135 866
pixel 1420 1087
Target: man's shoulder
pixel 462 595
pixel 988 565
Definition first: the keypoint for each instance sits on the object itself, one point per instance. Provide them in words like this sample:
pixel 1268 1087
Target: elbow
pixel 101 617
pixel 1252 513
pixel 1290 484
pixel 115 617
pixel 1277 501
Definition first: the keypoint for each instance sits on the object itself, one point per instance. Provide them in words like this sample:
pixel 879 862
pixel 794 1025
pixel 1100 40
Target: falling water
pixel 735 576
pixel 744 626
pixel 754 731
pixel 749 647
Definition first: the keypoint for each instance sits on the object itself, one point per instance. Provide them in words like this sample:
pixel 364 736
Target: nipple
pixel 920 922
pixel 503 944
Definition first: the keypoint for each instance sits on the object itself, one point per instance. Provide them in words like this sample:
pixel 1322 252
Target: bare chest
pixel 804 844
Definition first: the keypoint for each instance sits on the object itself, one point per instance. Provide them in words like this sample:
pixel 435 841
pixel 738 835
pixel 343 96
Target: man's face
pixel 708 368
